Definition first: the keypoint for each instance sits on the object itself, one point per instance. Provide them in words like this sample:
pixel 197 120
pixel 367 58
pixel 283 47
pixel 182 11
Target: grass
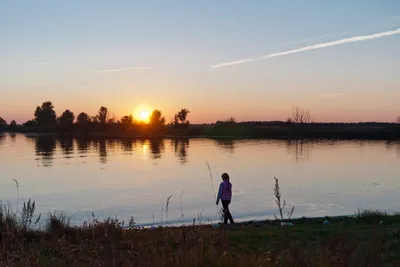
pixel 347 241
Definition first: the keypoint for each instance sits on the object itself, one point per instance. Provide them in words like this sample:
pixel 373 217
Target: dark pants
pixel 227 213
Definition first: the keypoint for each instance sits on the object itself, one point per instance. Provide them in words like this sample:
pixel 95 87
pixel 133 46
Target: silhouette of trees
pixel 102 115
pixel 181 116
pixel 127 120
pixel 67 118
pixel 156 118
pixel 111 120
pixel 45 115
pixel 229 121
pixel 95 119
pixel 30 123
pixel 3 122
pixel 83 118
pixel 300 115
pixel 12 126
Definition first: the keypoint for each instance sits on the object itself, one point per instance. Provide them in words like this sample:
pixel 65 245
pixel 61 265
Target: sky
pixel 251 60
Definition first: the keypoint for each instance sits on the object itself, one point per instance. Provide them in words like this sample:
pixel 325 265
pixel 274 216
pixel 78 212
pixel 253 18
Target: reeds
pixel 281 205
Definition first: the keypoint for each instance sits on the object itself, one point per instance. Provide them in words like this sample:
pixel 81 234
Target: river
pixel 127 178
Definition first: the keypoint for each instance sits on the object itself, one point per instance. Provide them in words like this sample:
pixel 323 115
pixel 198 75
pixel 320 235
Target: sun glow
pixel 142 113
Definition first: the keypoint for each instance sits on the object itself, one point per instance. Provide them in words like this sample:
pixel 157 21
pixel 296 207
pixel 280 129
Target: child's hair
pixel 225 176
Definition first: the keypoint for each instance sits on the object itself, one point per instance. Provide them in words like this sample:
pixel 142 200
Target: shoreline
pixel 244 130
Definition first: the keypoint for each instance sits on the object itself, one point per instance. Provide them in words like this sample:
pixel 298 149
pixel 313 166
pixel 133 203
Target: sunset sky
pixel 252 60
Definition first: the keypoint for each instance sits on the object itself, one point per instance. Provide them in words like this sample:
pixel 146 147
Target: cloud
pixel 396 17
pixel 312 47
pixel 118 70
pixel 233 63
pixel 41 63
pixel 332 95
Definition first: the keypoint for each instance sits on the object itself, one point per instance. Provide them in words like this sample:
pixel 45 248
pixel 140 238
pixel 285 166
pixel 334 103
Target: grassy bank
pixel 371 238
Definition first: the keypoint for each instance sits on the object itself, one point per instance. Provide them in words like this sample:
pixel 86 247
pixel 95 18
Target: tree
pixel 156 118
pixel 95 119
pixel 45 115
pixel 83 118
pixel 67 118
pixel 127 120
pixel 30 123
pixel 301 115
pixel 13 124
pixel 3 122
pixel 181 116
pixel 230 121
pixel 102 115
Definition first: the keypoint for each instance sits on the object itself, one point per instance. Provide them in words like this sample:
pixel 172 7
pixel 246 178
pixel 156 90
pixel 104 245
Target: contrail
pixel 312 47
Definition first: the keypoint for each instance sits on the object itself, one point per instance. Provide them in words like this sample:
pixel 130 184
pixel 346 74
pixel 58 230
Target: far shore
pixel 242 130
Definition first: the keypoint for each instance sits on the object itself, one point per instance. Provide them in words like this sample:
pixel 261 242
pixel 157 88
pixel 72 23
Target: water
pixel 127 178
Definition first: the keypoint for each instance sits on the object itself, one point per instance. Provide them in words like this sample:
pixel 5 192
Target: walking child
pixel 225 195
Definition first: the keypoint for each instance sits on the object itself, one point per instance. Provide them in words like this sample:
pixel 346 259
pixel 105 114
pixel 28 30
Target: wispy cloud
pixel 118 70
pixel 396 17
pixel 312 47
pixel 332 95
pixel 234 62
pixel 41 63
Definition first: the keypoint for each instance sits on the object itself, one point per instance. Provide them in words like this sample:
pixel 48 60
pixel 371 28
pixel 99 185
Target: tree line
pixel 45 116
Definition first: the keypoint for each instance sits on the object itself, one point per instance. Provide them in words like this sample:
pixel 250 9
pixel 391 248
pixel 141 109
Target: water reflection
pixel 13 137
pixel 83 146
pixel 67 147
pixel 44 148
pixel 111 143
pixel 393 146
pixel 181 147
pixel 300 149
pixel 226 144
pixel 102 151
pixel 2 139
pixel 156 146
pixel 127 145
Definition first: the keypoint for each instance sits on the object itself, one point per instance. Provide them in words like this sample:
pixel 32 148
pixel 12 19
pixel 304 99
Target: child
pixel 225 194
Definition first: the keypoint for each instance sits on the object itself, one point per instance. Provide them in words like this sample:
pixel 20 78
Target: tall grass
pixel 278 200
pixel 356 241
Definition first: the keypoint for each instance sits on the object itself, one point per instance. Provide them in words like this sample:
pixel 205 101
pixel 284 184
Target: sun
pixel 144 115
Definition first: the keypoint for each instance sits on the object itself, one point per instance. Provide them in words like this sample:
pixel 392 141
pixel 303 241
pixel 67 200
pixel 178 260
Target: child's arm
pixel 219 193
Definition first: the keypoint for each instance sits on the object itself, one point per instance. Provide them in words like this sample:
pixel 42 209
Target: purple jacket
pixel 225 191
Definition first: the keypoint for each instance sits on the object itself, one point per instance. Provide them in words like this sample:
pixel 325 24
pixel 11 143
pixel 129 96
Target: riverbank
pixel 279 130
pixel 370 238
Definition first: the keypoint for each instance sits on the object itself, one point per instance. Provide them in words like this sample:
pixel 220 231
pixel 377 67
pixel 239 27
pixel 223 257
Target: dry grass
pixel 346 242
